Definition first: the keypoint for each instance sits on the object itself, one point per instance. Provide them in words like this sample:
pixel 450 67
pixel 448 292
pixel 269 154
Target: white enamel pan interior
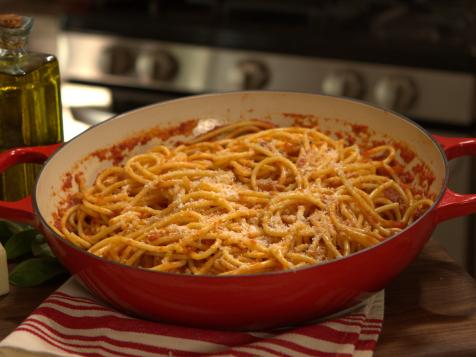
pixel 332 113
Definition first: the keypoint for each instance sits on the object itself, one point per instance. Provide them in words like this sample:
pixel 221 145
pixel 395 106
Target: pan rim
pixel 439 196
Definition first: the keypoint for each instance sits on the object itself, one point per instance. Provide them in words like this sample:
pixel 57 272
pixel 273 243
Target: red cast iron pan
pixel 250 301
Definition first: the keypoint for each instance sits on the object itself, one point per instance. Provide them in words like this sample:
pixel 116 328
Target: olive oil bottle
pixel 30 103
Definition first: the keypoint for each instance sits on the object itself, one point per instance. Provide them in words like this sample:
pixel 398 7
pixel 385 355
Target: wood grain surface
pixel 430 309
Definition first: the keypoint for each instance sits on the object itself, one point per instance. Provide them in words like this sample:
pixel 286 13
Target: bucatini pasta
pixel 243 198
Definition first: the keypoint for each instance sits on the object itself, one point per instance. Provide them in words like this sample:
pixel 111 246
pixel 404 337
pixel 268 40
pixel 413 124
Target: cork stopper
pixel 11 21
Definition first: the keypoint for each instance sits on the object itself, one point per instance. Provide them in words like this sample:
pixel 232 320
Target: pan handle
pixel 22 210
pixel 454 204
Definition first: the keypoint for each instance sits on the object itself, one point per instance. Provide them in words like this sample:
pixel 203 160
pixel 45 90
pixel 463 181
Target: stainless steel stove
pixel 111 60
pixel 416 57
pixel 413 57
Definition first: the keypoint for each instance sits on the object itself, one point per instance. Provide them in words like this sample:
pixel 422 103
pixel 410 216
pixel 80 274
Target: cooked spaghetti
pixel 243 198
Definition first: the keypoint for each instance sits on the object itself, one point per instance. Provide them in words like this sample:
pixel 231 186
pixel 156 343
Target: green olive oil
pixel 30 105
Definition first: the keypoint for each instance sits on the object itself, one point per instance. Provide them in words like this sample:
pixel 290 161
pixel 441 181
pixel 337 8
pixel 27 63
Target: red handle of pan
pixel 454 204
pixel 22 210
pixel 451 205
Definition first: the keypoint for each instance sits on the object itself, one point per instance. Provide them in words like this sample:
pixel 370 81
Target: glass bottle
pixel 30 103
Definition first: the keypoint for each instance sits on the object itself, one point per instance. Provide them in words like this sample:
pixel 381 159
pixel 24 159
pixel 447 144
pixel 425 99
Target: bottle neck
pixel 14 32
pixel 13 45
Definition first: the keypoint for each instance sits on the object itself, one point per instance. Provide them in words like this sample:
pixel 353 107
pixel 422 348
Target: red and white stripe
pixel 72 323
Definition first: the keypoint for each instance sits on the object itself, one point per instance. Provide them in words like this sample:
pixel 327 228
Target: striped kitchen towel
pixel 71 322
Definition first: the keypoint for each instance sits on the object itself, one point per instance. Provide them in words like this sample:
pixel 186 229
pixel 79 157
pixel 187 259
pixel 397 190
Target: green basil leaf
pixel 20 243
pixel 40 248
pixel 35 271
pixel 7 229
pixel 39 238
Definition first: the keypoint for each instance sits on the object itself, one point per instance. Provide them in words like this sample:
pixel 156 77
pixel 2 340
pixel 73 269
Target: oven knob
pixel 159 65
pixel 254 74
pixel 396 93
pixel 343 83
pixel 116 60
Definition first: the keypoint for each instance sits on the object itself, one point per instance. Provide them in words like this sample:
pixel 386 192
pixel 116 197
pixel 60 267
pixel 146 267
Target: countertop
pixel 430 309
